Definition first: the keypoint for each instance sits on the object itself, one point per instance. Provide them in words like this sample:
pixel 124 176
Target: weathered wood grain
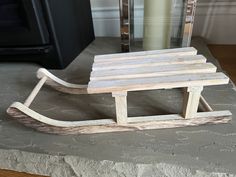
pixel 61 85
pixel 172 117
pixel 153 53
pixel 149 62
pixel 120 73
pixel 153 71
pixel 121 107
pixel 191 101
pixel 53 122
pixel 151 83
pixel 28 121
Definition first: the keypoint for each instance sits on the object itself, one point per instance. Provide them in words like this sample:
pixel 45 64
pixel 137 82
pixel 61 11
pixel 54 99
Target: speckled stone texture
pixel 208 150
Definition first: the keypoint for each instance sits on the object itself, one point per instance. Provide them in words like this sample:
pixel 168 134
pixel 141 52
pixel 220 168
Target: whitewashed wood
pixel 121 107
pixel 191 101
pixel 34 115
pixel 35 91
pixel 145 62
pixel 178 116
pixel 205 105
pixel 132 55
pixel 170 69
pixel 153 71
pixel 27 120
pixel 150 83
pixel 61 85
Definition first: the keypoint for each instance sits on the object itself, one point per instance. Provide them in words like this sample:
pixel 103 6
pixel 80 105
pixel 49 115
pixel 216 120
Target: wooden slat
pixel 178 116
pixel 127 56
pixel 150 83
pixel 157 61
pixel 153 71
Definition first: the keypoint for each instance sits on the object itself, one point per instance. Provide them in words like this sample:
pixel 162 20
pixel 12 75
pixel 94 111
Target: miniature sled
pixel 121 73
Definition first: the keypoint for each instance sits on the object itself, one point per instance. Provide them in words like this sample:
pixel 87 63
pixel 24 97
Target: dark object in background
pixel 49 32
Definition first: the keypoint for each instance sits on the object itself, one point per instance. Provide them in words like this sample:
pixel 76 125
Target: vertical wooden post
pixel 191 101
pixel 121 107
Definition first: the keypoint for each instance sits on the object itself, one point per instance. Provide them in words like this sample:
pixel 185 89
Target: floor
pixel 8 173
pixel 189 151
pixel 226 55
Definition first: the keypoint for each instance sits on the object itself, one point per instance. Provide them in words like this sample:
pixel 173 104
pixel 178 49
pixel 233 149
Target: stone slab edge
pixel 74 166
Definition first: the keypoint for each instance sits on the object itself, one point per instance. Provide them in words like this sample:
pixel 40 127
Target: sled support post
pixel 191 101
pixel 35 91
pixel 121 107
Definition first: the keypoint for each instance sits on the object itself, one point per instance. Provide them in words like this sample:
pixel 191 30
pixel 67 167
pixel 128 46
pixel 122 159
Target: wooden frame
pixel 22 113
pixel 193 84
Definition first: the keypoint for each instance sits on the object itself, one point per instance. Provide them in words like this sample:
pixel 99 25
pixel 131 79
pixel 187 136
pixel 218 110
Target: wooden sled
pixel 120 73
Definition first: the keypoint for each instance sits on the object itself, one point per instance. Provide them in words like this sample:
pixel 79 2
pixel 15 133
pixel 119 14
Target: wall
pixel 106 17
pixel 215 19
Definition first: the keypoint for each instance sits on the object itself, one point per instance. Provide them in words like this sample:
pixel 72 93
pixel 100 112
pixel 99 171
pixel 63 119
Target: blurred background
pixel 215 20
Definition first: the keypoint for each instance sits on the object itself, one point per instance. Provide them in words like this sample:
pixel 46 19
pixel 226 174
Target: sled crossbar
pixel 35 91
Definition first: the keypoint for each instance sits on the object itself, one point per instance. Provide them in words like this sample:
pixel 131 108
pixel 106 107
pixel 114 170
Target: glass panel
pixel 159 24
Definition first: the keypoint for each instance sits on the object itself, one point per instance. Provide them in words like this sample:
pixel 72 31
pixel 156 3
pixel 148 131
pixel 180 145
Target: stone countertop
pixel 208 150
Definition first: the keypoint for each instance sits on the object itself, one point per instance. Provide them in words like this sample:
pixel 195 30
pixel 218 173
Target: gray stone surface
pixel 192 151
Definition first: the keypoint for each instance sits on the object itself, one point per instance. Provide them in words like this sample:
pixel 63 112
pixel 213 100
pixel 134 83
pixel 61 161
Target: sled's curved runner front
pixel 22 112
pixel 120 73
pixel 32 119
pixel 61 85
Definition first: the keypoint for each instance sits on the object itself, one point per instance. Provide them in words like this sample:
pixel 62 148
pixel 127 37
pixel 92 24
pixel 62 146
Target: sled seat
pixel 165 69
